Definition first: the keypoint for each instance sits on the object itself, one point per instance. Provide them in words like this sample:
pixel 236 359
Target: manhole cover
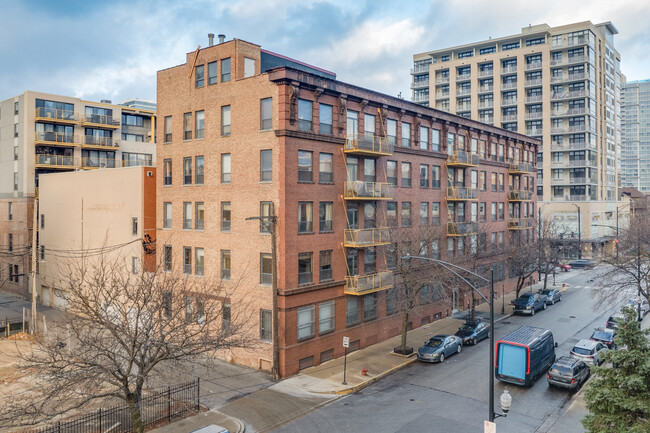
pixel 505 323
pixel 572 317
pixel 411 399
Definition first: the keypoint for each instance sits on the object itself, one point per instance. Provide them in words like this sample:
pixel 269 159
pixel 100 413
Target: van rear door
pixel 512 361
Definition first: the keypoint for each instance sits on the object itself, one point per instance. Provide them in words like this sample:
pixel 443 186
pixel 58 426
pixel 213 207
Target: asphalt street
pixel 453 396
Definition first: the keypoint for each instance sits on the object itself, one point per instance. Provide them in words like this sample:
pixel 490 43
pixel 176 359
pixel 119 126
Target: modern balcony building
pixel 244 131
pixel 635 123
pixel 558 84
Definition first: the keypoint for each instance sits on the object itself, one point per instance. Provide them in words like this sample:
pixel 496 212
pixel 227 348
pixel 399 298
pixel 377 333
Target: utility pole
pixel 34 253
pixel 579 233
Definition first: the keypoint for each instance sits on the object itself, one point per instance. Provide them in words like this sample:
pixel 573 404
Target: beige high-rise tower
pixel 559 84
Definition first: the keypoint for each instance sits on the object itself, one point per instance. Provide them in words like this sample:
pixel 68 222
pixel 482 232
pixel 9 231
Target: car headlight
pixel 528 307
pixel 434 355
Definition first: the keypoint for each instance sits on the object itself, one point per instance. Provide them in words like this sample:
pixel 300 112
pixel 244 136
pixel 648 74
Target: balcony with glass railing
pixel 100 121
pixel 368 144
pixel 576 59
pixel 92 162
pixel 462 158
pixel 364 284
pixel 59 139
pixel 486 104
pixel 52 115
pixel 582 163
pixel 509 118
pixel 533 99
pixel 421 97
pixel 508 101
pixel 465 228
pixel 520 223
pixel 485 73
pixel 461 193
pixel 534 131
pixel 100 143
pixel 486 119
pixel 577 76
pixel 485 88
pixel 360 190
pixel 463 107
pixel 463 91
pixel 520 195
pixel 419 69
pixel 533 65
pixel 532 115
pixel 442 80
pixel 509 70
pixel 533 82
pixel 463 77
pixel 515 167
pixel 420 84
pixel 55 161
pixel 362 238
pixel 442 94
pixel 509 85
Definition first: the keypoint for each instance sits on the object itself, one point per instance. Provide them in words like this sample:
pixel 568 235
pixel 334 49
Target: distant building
pixel 635 125
pixel 139 104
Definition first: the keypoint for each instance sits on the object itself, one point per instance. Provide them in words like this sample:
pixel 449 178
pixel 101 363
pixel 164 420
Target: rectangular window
pixel 305 215
pixel 225 317
pixel 199 72
pixel 187 126
pixel 266 166
pixel 493 181
pixel 406 214
pixel 168 129
pixel 134 224
pixel 306 322
pixel 199 222
pixel 406 134
pixel 225 70
pixel 265 213
pixel 187 171
pixel 424 138
pixel 325 216
pixel 424 213
pixel 212 73
pixel 406 174
pixel 325 119
pixel 494 211
pixel 167 215
pixel 225 168
pixel 225 120
pixel 225 265
pixel 266 325
pixel 391 213
pixel 198 170
pixel 326 316
pixel 501 211
pixel 304 115
pixel 435 140
pixel 187 260
pixel 305 166
pixel 325 266
pixel 435 176
pixel 352 311
pixel 249 67
pixel 435 213
pixel 391 172
pixel 266 114
pixel 424 176
pixel 391 301
pixel 370 307
pixel 167 256
pixel 391 131
pixel 482 181
pixel 199 259
pixel 225 216
pixel 266 269
pixel 187 215
pixel 325 174
pixel 43 219
pixel 10 209
pixel 305 268
pixel 199 124
pixel 10 241
pixel 501 182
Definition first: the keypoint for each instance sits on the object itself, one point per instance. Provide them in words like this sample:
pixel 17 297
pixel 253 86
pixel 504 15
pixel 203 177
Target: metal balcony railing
pixel 57 116
pixel 90 162
pixel 100 120
pixel 485 73
pixel 520 195
pixel 462 158
pixel 533 65
pixel 363 284
pixel 55 160
pixel 461 193
pixel 91 140
pixel 361 238
pixel 520 223
pixel 359 190
pixel 521 167
pixel 368 144
pixel 56 138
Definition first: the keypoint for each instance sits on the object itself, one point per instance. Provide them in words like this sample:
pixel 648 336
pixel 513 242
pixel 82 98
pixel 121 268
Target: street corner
pixel 372 379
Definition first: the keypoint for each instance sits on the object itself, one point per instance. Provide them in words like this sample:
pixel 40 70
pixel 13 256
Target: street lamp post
pixel 506 398
pixel 579 233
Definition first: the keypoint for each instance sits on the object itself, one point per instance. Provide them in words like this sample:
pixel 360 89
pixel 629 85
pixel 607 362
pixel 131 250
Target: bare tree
pixel 523 258
pixel 549 252
pixel 120 327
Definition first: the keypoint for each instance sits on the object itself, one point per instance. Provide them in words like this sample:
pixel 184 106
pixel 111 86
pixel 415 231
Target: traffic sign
pixel 346 341
pixel 489 427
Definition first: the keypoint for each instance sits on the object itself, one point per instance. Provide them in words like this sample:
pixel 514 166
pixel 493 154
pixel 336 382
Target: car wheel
pixel 532 312
pixel 544 306
pixel 442 357
pixel 552 301
pixel 474 341
pixel 459 349
pixel 559 298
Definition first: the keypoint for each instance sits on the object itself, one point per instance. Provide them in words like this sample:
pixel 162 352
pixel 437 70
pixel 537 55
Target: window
pixel 482 181
pixel 370 307
pixel 198 261
pixel 15 130
pixel 494 211
pixel 435 213
pixel 199 222
pixel 406 214
pixel 43 222
pixel 304 115
pixel 212 73
pixel 406 174
pixel 187 215
pixel 391 213
pixel 305 214
pixel 391 131
pixel 424 176
pixel 249 67
pixel 501 211
pixel 352 311
pixel 325 216
pixel 266 325
pixel 134 224
pixel 225 317
pixel 167 178
pixel 187 171
pixel 225 120
pixel 501 182
pixel 325 119
pixel 225 265
pixel 265 213
pixel 435 176
pixel 306 322
pixel 266 269
pixel 510 46
pixel 199 124
pixel 168 129
pixel 225 70
pixel 187 126
pixel 406 134
pixel 325 265
pixel 225 216
pixel 326 316
pixel 424 213
pixel 266 166
pixel 493 181
pixel 369 170
pixel 16 106
pixel 187 260
pixel 482 209
pixel 167 215
pixel 391 301
pixel 424 138
pixel 305 268
pixel 198 170
pixel 10 241
pixel 391 172
pixel 435 140
pixel 199 72
pixel 10 210
pixel 167 255
pixel 305 170
pixel 225 168
pixel 325 168
pixel 266 113
pixel 134 261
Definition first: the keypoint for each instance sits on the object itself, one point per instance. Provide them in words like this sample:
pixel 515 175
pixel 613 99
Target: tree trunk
pixel 520 285
pixel 133 400
pixel 473 307
pixel 545 279
pixel 405 321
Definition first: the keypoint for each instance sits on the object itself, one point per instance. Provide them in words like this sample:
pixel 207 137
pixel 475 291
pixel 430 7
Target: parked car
pixel 473 331
pixel 589 351
pixel 582 263
pixel 437 348
pixel 552 296
pixel 605 336
pixel 568 372
pixel 524 355
pixel 612 321
pixel 528 303
pixel 564 267
pixel 633 303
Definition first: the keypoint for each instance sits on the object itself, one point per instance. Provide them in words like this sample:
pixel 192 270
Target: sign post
pixel 346 345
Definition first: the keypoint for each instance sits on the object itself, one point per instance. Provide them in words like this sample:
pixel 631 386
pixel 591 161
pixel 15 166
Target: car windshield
pixel 526 297
pixel 581 351
pixel 603 336
pixel 434 342
pixel 561 370
pixel 546 292
pixel 467 328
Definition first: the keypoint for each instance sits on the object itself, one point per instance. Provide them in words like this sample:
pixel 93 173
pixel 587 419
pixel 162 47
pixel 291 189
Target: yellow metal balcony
pixel 362 238
pixel 51 115
pixel 461 158
pixel 462 228
pixel 100 121
pixel 520 223
pixel 364 284
pixel 100 143
pixel 368 144
pixel 461 193
pixel 520 167
pixel 60 139
pixel 359 190
pixel 91 163
pixel 55 161
pixel 520 195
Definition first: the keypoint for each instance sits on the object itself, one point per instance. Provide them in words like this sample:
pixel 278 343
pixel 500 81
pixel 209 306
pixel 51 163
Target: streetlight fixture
pixel 579 233
pixel 506 398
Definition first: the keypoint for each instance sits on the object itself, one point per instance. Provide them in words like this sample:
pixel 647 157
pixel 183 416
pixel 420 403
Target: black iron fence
pixel 12 325
pixel 163 405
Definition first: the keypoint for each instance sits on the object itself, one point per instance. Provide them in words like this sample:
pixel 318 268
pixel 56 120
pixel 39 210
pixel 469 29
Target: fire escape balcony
pixel 461 158
pixel 520 195
pixel 368 144
pixel 517 167
pixel 362 238
pixel 520 223
pixel 461 193
pixel 468 228
pixel 364 284
pixel 360 190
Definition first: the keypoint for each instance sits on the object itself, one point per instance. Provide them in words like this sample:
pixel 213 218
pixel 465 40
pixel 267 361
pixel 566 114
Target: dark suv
pixel 528 303
pixel 568 372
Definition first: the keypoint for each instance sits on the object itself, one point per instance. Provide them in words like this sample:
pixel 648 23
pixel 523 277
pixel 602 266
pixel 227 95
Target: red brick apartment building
pixel 241 127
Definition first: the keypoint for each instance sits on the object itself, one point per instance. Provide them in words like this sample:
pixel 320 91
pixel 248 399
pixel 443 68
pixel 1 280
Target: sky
pixel 112 49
